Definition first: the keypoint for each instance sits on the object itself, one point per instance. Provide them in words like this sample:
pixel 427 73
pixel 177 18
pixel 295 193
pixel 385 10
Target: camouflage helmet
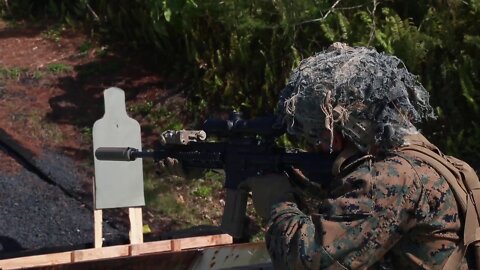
pixel 369 97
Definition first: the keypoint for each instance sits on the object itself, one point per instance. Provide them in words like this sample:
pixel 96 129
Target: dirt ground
pixel 67 99
pixel 52 80
pixel 51 84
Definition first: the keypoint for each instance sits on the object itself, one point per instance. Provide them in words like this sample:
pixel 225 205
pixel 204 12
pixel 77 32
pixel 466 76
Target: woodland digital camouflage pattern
pixel 389 213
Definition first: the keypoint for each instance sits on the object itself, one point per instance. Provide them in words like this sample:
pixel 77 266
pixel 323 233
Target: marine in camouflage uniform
pixel 383 209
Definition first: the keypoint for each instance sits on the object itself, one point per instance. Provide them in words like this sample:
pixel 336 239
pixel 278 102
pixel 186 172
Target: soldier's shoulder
pixel 394 165
pixel 406 169
pixel 409 168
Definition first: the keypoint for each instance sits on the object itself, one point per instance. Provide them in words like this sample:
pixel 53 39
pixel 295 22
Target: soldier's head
pixel 368 97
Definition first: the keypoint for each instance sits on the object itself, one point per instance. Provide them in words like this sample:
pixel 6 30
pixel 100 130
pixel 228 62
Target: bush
pixel 237 54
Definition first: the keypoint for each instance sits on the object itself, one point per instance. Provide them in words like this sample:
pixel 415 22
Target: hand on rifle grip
pixel 268 190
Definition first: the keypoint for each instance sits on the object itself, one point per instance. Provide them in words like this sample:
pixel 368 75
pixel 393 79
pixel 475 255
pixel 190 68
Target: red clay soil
pixel 25 48
pixel 51 93
pixel 41 108
pixel 46 110
pixel 25 100
pixel 28 47
pixel 50 113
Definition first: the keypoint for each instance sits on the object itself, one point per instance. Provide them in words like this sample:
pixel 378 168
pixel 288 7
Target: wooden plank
pixel 38 260
pixel 100 253
pixel 204 241
pixel 136 225
pixel 152 247
pixel 113 252
pixel 154 261
pixel 237 256
pixel 98 230
pixel 176 244
pixel 180 244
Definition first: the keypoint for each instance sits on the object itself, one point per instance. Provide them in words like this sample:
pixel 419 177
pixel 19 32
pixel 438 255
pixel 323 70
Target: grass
pixel 58 68
pixel 48 131
pixel 38 74
pixel 188 202
pixel 103 52
pixel 15 73
pixel 85 47
pixel 159 118
pixel 142 108
pixel 38 127
pixel 54 33
pixel 87 132
pixel 11 73
pixel 258 237
pixel 202 191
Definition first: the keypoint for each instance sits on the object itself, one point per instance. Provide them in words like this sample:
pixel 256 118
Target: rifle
pixel 247 148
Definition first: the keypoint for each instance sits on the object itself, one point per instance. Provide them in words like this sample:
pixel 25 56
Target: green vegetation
pixel 87 132
pixel 161 117
pixel 37 74
pixel 15 73
pixel 142 108
pixel 85 47
pixel 54 33
pixel 10 73
pixel 44 129
pixel 237 55
pixel 58 68
pixel 189 202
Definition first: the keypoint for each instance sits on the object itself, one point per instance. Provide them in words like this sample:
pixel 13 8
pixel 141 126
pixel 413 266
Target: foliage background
pixel 237 54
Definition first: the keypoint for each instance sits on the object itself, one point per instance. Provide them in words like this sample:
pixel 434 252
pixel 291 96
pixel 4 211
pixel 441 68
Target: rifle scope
pixel 236 126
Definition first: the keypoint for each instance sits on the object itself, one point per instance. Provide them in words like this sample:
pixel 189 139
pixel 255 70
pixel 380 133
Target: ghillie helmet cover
pixel 370 97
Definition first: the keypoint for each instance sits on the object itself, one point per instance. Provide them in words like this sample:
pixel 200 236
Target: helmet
pixel 370 97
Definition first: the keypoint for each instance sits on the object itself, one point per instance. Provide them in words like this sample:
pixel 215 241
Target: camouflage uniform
pixel 387 210
pixel 391 211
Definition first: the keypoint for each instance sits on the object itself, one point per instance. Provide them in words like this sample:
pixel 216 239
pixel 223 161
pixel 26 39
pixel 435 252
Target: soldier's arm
pixel 362 220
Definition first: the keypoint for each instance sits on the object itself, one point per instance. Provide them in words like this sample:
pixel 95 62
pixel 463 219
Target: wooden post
pixel 136 225
pixel 97 222
pixel 98 230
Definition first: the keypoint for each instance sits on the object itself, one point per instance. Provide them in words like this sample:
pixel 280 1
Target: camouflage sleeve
pixel 292 242
pixel 364 217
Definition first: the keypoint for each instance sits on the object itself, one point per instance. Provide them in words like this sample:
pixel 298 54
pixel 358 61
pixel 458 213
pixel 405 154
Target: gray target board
pixel 117 183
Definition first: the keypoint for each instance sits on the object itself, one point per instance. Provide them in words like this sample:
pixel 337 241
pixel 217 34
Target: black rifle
pixel 247 149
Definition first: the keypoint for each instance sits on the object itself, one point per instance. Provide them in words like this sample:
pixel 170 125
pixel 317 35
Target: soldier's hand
pixel 170 166
pixel 268 190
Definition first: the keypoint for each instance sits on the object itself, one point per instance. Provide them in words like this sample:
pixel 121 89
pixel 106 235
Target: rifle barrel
pixel 121 153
